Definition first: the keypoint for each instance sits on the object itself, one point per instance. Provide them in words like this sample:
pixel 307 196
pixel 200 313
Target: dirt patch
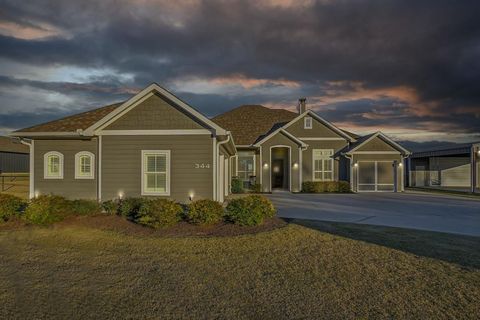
pixel 182 229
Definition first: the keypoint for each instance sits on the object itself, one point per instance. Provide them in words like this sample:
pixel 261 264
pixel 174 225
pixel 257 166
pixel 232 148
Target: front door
pixel 278 174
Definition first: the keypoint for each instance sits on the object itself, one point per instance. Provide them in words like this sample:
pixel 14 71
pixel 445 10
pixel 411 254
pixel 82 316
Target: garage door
pixel 375 176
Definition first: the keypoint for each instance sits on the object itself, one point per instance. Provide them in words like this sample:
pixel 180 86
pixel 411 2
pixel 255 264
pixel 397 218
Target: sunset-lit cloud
pixel 365 65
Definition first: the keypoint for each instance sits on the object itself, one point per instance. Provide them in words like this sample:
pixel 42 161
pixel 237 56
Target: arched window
pixel 84 165
pixel 53 165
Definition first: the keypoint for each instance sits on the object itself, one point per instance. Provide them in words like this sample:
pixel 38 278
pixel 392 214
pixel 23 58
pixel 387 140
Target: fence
pixel 15 183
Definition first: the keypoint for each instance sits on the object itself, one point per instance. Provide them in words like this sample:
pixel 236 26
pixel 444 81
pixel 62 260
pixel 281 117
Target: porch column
pixel 473 168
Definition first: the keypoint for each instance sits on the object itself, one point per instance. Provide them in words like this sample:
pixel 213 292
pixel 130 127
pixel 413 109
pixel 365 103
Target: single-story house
pixel 155 144
pixel 456 168
pixel 13 156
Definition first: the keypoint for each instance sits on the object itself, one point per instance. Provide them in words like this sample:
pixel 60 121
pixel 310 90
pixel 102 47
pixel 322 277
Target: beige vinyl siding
pixel 379 157
pixel 280 139
pixel 68 187
pixel 376 144
pixel 122 166
pixel 154 114
pixel 307 157
pixel 318 130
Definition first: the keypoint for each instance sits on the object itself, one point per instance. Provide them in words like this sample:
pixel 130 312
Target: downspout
pixel 30 144
pixel 217 155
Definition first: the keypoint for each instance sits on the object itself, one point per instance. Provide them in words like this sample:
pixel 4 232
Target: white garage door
pixel 375 176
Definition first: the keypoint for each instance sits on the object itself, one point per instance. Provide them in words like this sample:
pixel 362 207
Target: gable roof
pixel 86 123
pixel 365 139
pixel 248 122
pixel 74 122
pixel 251 123
pixel 286 133
pixel 8 145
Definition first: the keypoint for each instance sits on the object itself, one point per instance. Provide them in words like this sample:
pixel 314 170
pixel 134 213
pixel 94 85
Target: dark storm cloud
pixel 429 46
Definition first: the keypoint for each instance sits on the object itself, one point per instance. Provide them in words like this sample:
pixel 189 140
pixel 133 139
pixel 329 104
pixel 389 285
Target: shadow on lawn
pixel 459 249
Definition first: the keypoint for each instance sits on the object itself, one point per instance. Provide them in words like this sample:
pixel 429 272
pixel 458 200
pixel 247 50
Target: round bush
pixel 159 213
pixel 10 206
pixel 84 207
pixel 129 207
pixel 250 211
pixel 48 209
pixel 111 207
pixel 204 212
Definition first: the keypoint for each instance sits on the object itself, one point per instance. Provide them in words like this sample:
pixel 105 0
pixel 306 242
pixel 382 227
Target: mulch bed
pixel 182 229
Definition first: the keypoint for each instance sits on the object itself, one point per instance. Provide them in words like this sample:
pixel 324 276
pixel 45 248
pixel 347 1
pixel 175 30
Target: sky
pixel 410 69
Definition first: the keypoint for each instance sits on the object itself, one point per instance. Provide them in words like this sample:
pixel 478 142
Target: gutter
pixel 217 153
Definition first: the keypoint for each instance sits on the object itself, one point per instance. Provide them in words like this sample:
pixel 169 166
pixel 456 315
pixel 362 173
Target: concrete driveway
pixel 423 211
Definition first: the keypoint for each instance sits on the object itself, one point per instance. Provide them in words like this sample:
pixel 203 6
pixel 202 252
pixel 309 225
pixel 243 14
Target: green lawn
pixel 319 270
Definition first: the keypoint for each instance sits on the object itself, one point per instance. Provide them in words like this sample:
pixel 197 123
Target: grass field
pixel 314 270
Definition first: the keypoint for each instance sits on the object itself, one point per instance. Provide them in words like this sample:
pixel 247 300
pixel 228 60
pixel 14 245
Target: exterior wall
pixel 68 187
pixel 12 162
pixel 280 140
pixel 377 157
pixel 318 130
pixel 154 114
pixel 122 166
pixel 376 144
pixel 445 171
pixel 307 158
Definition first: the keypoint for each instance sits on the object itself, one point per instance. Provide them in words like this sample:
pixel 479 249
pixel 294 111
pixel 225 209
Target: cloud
pixel 372 64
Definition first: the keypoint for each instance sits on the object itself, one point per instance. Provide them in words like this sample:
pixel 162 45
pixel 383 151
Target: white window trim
pixel 323 171
pixel 45 165
pixel 305 126
pixel 167 189
pixel 77 165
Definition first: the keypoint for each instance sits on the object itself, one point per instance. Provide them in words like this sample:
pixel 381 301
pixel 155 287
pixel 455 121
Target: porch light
pixel 295 165
pixel 265 165
pixel 400 164
pixel 355 164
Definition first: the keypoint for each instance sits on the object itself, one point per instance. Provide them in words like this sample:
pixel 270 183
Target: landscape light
pixel 191 195
pixel 120 195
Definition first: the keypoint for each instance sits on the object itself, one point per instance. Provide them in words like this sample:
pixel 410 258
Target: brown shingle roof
pixel 248 122
pixel 8 145
pixel 72 123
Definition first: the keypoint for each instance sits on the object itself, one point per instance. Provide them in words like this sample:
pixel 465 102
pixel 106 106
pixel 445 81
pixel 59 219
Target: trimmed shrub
pixel 84 207
pixel 129 207
pixel 237 185
pixel 111 207
pixel 325 186
pixel 10 206
pixel 47 209
pixel 257 188
pixel 204 212
pixel 158 213
pixel 250 211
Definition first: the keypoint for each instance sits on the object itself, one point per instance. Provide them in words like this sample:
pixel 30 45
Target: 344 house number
pixel 202 165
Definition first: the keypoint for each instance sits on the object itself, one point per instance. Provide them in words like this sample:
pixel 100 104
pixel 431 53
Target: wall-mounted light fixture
pixel 295 165
pixel 400 164
pixel 265 165
pixel 355 164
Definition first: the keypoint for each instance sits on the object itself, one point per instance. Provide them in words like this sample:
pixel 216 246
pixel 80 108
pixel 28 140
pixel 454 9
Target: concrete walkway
pixel 422 211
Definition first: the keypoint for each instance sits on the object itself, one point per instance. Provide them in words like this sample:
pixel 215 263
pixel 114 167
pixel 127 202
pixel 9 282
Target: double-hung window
pixel 246 167
pixel 84 165
pixel 322 165
pixel 156 172
pixel 53 165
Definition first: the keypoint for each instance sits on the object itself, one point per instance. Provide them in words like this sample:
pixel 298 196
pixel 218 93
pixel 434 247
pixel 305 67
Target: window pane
pixel 328 176
pixel 366 172
pixel 151 163
pixel 150 181
pixel 161 163
pixel 328 164
pixel 318 176
pixel 85 164
pixel 161 182
pixel 54 165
